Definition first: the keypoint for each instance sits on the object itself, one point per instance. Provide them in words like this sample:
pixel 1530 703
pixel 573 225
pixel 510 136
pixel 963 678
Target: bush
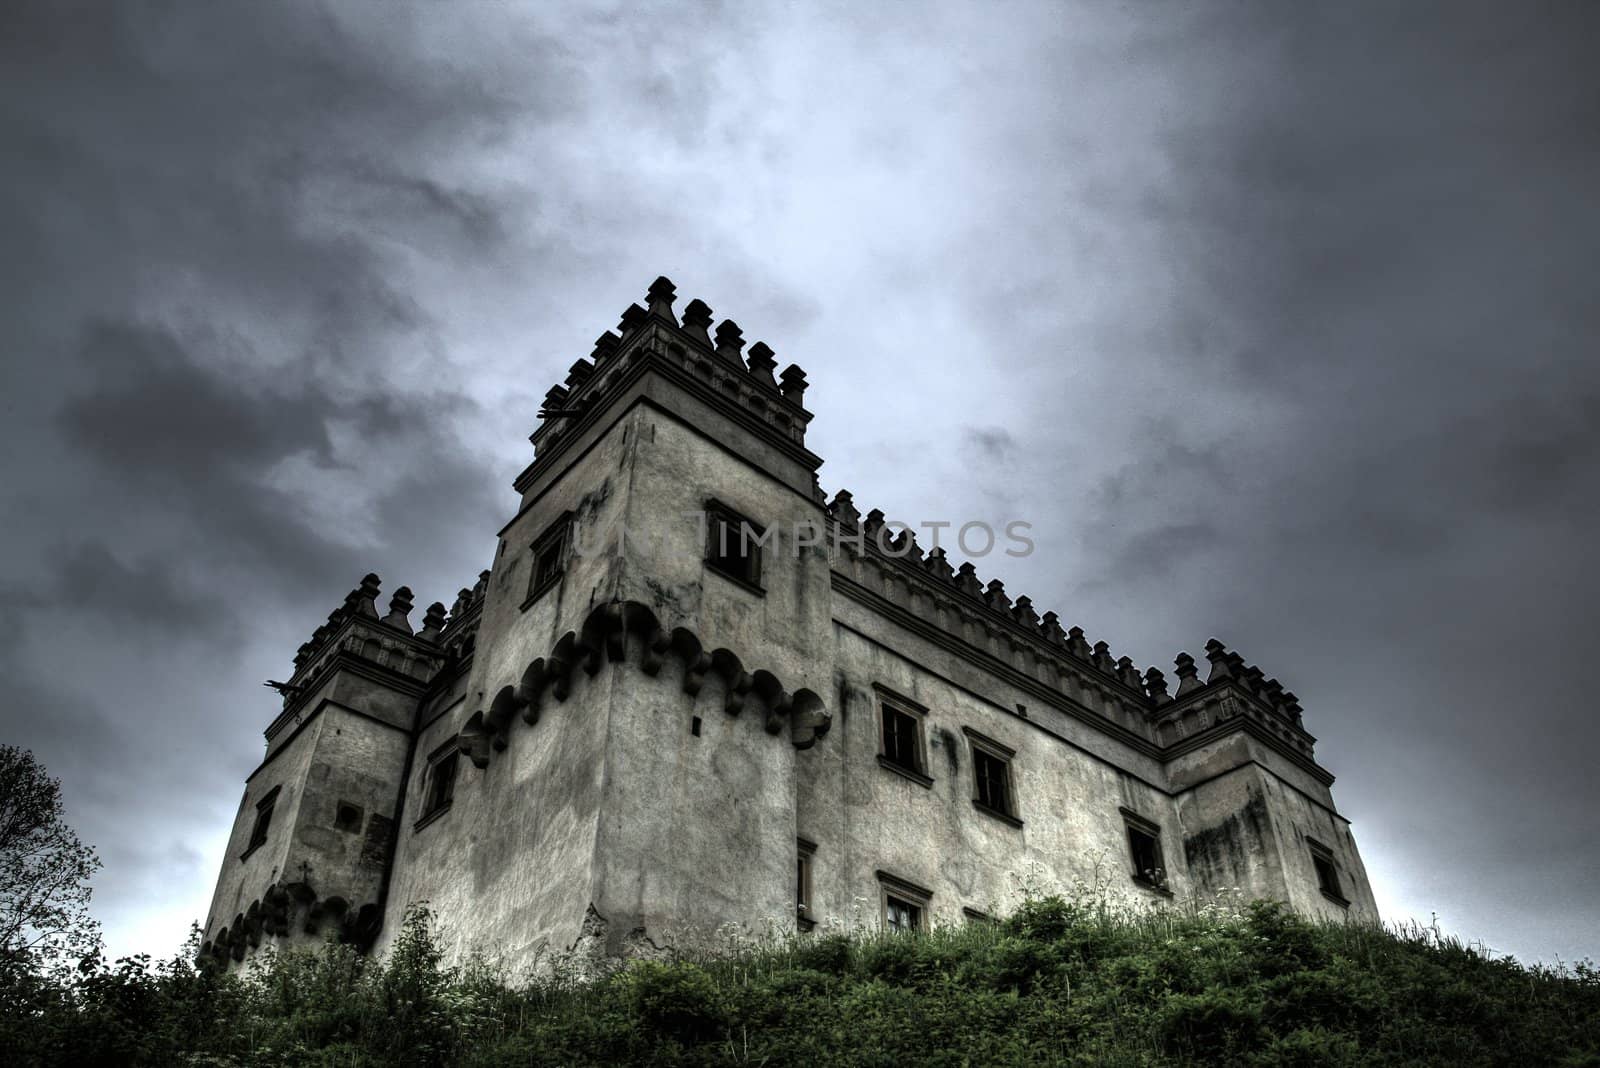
pixel 1054 983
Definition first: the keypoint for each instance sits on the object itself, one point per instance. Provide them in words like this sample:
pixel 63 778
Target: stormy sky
pixel 1277 321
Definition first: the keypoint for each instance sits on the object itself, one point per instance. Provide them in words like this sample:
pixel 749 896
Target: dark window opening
pixel 258 833
pixel 549 557
pixel 441 783
pixel 547 566
pixel 900 742
pixel 694 726
pixel 1145 847
pixel 992 781
pixel 901 915
pixel 1327 873
pixel 804 913
pixel 348 818
pixel 733 547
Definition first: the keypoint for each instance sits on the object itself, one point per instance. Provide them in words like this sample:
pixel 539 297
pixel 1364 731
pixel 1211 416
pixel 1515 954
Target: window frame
pixel 261 828
pixel 805 902
pixel 1323 855
pixel 979 743
pixel 339 809
pixel 433 808
pixel 719 514
pixel 919 898
pixel 1133 823
pixel 888 701
pixel 557 536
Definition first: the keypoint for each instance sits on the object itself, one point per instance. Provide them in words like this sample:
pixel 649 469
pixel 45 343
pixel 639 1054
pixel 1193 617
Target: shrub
pixel 1055 983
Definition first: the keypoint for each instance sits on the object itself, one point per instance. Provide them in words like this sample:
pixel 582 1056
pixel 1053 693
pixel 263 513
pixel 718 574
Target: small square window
pixel 258 832
pixel 1144 849
pixel 441 784
pixel 733 545
pixel 549 558
pixel 347 818
pixel 1327 873
pixel 905 905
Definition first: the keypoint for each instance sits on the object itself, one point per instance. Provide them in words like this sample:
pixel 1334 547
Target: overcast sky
pixel 1278 323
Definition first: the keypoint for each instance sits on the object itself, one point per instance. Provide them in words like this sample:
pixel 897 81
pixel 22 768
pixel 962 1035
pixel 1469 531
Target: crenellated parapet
pixel 716 363
pixel 1231 689
pixel 606 637
pixel 889 565
pixel 984 617
pixel 357 634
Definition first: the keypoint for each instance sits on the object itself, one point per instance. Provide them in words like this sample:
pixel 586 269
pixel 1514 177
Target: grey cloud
pixel 1280 319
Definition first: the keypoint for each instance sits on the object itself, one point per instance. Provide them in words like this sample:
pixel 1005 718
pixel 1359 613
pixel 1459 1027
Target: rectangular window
pixel 733 545
pixel 900 743
pixel 902 915
pixel 991 773
pixel 803 910
pixel 549 558
pixel 905 905
pixel 441 784
pixel 992 791
pixel 1327 873
pixel 258 832
pixel 1144 848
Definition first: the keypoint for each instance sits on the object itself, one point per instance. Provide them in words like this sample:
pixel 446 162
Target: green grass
pixel 1055 983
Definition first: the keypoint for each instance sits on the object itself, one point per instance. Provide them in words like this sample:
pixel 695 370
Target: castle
pixel 690 690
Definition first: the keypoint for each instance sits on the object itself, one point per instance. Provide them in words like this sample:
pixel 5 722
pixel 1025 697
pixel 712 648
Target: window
pixel 1327 873
pixel 549 558
pixel 900 737
pixel 348 818
pixel 905 905
pixel 441 782
pixel 973 915
pixel 258 833
pixel 901 915
pixel 1144 848
pixel 804 913
pixel 991 773
pixel 733 545
pixel 991 777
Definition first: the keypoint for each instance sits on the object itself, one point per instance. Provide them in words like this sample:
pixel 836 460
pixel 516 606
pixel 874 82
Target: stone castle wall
pixel 644 746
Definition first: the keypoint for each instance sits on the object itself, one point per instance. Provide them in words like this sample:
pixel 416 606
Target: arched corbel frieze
pixel 607 635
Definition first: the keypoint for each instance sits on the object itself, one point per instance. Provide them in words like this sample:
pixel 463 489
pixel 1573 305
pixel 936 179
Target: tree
pixel 44 867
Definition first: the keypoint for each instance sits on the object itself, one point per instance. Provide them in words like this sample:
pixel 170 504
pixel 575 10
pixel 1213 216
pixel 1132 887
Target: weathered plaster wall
pixel 242 881
pixel 695 830
pixel 864 817
pixel 359 762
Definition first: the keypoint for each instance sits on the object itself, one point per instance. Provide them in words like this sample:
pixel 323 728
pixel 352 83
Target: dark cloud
pixel 1276 323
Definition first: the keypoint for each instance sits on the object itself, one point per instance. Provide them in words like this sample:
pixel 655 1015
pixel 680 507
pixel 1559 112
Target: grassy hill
pixel 1055 983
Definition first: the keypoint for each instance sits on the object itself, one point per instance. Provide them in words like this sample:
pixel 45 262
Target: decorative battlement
pixel 718 362
pixel 1232 688
pixel 984 617
pixel 355 631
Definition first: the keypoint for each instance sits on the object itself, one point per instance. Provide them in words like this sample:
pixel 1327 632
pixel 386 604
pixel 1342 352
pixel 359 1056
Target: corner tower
pixel 638 699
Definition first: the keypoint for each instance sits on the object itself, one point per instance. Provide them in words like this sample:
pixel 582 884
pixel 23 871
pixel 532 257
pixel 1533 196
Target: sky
pixel 1278 322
